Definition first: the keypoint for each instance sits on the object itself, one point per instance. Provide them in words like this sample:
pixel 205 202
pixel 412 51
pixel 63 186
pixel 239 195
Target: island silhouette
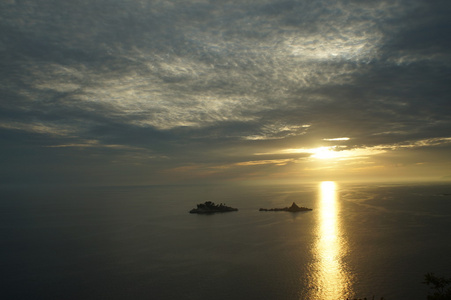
pixel 210 208
pixel 293 208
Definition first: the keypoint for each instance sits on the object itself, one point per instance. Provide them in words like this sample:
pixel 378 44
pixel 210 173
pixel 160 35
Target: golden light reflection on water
pixel 329 277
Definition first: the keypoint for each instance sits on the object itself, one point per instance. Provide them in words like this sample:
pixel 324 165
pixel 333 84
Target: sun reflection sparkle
pixel 330 281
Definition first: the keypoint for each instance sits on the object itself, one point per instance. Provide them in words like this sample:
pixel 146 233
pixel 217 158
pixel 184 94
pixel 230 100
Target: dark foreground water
pixel 141 243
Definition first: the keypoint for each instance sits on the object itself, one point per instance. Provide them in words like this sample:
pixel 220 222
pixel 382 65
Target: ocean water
pixel 141 242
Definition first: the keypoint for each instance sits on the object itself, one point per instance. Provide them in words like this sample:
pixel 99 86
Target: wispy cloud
pixel 56 130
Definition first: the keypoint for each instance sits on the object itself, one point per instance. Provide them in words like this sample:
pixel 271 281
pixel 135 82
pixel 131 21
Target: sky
pixel 136 92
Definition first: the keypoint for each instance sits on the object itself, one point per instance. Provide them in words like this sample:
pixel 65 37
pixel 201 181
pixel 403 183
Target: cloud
pixel 192 80
pixel 38 128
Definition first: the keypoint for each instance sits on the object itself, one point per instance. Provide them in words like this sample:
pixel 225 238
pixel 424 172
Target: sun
pixel 324 153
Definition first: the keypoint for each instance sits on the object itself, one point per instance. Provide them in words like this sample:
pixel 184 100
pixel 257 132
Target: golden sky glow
pixel 335 153
pixel 324 153
pixel 338 139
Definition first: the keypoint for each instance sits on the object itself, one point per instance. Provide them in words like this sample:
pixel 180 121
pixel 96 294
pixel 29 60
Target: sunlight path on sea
pixel 329 280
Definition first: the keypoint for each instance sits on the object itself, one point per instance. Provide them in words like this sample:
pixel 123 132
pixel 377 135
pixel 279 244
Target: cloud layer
pixel 147 87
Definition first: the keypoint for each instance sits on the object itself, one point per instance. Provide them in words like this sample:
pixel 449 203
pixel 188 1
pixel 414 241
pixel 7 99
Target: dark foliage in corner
pixel 441 289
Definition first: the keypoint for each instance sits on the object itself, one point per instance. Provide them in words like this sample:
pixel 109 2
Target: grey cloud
pixel 184 78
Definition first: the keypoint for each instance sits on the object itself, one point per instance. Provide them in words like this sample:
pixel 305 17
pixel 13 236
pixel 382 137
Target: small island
pixel 210 208
pixel 292 208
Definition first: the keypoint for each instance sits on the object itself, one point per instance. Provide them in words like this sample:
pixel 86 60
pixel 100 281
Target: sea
pixel 360 240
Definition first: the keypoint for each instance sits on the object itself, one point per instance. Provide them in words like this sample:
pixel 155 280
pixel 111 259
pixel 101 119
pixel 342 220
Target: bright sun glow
pixel 337 139
pixel 335 153
pixel 324 153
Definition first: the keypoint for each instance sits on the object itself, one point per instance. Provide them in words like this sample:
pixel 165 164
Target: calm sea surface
pixel 141 243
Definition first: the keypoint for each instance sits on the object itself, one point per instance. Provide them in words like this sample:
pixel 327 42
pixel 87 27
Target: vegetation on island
pixel 292 208
pixel 209 208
